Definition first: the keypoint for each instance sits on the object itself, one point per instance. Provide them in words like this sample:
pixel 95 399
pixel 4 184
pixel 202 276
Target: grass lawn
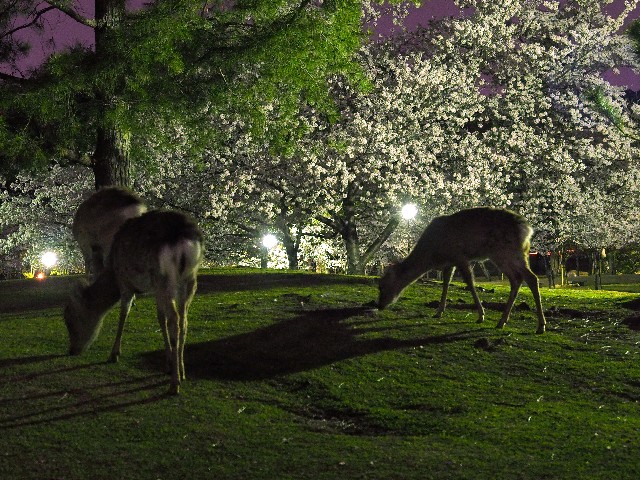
pixel 290 377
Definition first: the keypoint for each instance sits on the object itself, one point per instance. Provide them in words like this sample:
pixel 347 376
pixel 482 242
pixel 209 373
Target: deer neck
pixel 411 268
pixel 103 293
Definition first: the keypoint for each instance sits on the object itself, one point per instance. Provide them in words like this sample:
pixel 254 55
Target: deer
pixel 158 252
pixel 98 219
pixel 452 241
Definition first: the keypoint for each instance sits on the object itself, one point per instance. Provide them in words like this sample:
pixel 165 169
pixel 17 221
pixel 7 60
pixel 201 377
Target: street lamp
pixel 268 242
pixel 49 259
pixel 409 211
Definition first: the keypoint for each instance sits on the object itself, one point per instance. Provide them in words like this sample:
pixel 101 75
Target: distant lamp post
pixel 268 242
pixel 48 260
pixel 409 211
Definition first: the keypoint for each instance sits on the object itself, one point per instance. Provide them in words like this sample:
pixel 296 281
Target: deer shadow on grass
pixel 41 404
pixel 19 361
pixel 310 340
pixel 87 400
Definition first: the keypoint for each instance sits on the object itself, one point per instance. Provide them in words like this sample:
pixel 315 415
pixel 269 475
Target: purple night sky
pixel 60 31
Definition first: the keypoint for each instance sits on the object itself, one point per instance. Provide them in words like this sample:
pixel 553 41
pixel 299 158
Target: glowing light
pixel 49 259
pixel 269 241
pixel 409 211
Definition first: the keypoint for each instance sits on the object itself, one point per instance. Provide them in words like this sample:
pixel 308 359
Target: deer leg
pixel 174 336
pixel 125 306
pixel 162 321
pixel 467 275
pixel 182 318
pixel 182 331
pixel 187 292
pixel 515 281
pixel 447 275
pixel 532 282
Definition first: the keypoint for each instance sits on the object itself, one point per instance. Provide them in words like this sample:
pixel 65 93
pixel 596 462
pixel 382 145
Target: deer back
pixel 100 216
pixel 473 234
pixel 157 245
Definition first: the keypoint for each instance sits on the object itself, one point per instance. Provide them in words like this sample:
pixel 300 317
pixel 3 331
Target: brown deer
pixel 98 219
pixel 453 241
pixel 158 252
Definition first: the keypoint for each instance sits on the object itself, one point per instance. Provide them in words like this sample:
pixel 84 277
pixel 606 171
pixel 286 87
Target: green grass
pixel 289 377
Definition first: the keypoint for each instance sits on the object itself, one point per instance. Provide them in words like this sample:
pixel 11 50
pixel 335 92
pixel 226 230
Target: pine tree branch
pixel 13 79
pixel 254 34
pixel 71 13
pixel 34 19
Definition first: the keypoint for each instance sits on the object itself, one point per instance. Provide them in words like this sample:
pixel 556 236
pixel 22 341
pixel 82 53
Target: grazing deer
pixel 98 219
pixel 158 252
pixel 453 241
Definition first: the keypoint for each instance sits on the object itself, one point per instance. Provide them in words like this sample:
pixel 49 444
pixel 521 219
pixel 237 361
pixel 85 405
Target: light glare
pixel 49 259
pixel 269 241
pixel 409 211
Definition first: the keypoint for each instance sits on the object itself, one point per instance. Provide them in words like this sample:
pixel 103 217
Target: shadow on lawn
pixel 264 281
pixel 13 362
pixel 313 339
pixel 43 405
pixel 44 371
pixel 53 406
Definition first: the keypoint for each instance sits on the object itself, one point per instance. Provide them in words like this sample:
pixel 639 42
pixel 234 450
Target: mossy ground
pixel 290 376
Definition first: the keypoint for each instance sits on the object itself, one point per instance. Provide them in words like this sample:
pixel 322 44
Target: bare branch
pixel 394 221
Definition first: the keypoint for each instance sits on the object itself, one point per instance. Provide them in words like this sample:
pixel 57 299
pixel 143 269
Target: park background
pixel 315 123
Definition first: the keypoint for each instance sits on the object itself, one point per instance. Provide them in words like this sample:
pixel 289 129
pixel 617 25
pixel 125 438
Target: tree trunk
pixel 344 225
pixel 613 267
pixel 291 246
pixel 357 261
pixel 292 256
pixel 349 234
pixel 374 247
pixel 111 162
pixel 291 243
pixel 352 245
pixel 550 272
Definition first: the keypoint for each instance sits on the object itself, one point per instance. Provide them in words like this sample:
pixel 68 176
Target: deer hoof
pixel 500 325
pixel 174 389
pixel 540 330
pixel 113 358
pixel 480 320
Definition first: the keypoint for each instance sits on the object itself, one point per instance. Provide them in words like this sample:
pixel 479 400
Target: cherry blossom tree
pixel 347 178
pixel 476 110
pixel 36 212
pixel 562 161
